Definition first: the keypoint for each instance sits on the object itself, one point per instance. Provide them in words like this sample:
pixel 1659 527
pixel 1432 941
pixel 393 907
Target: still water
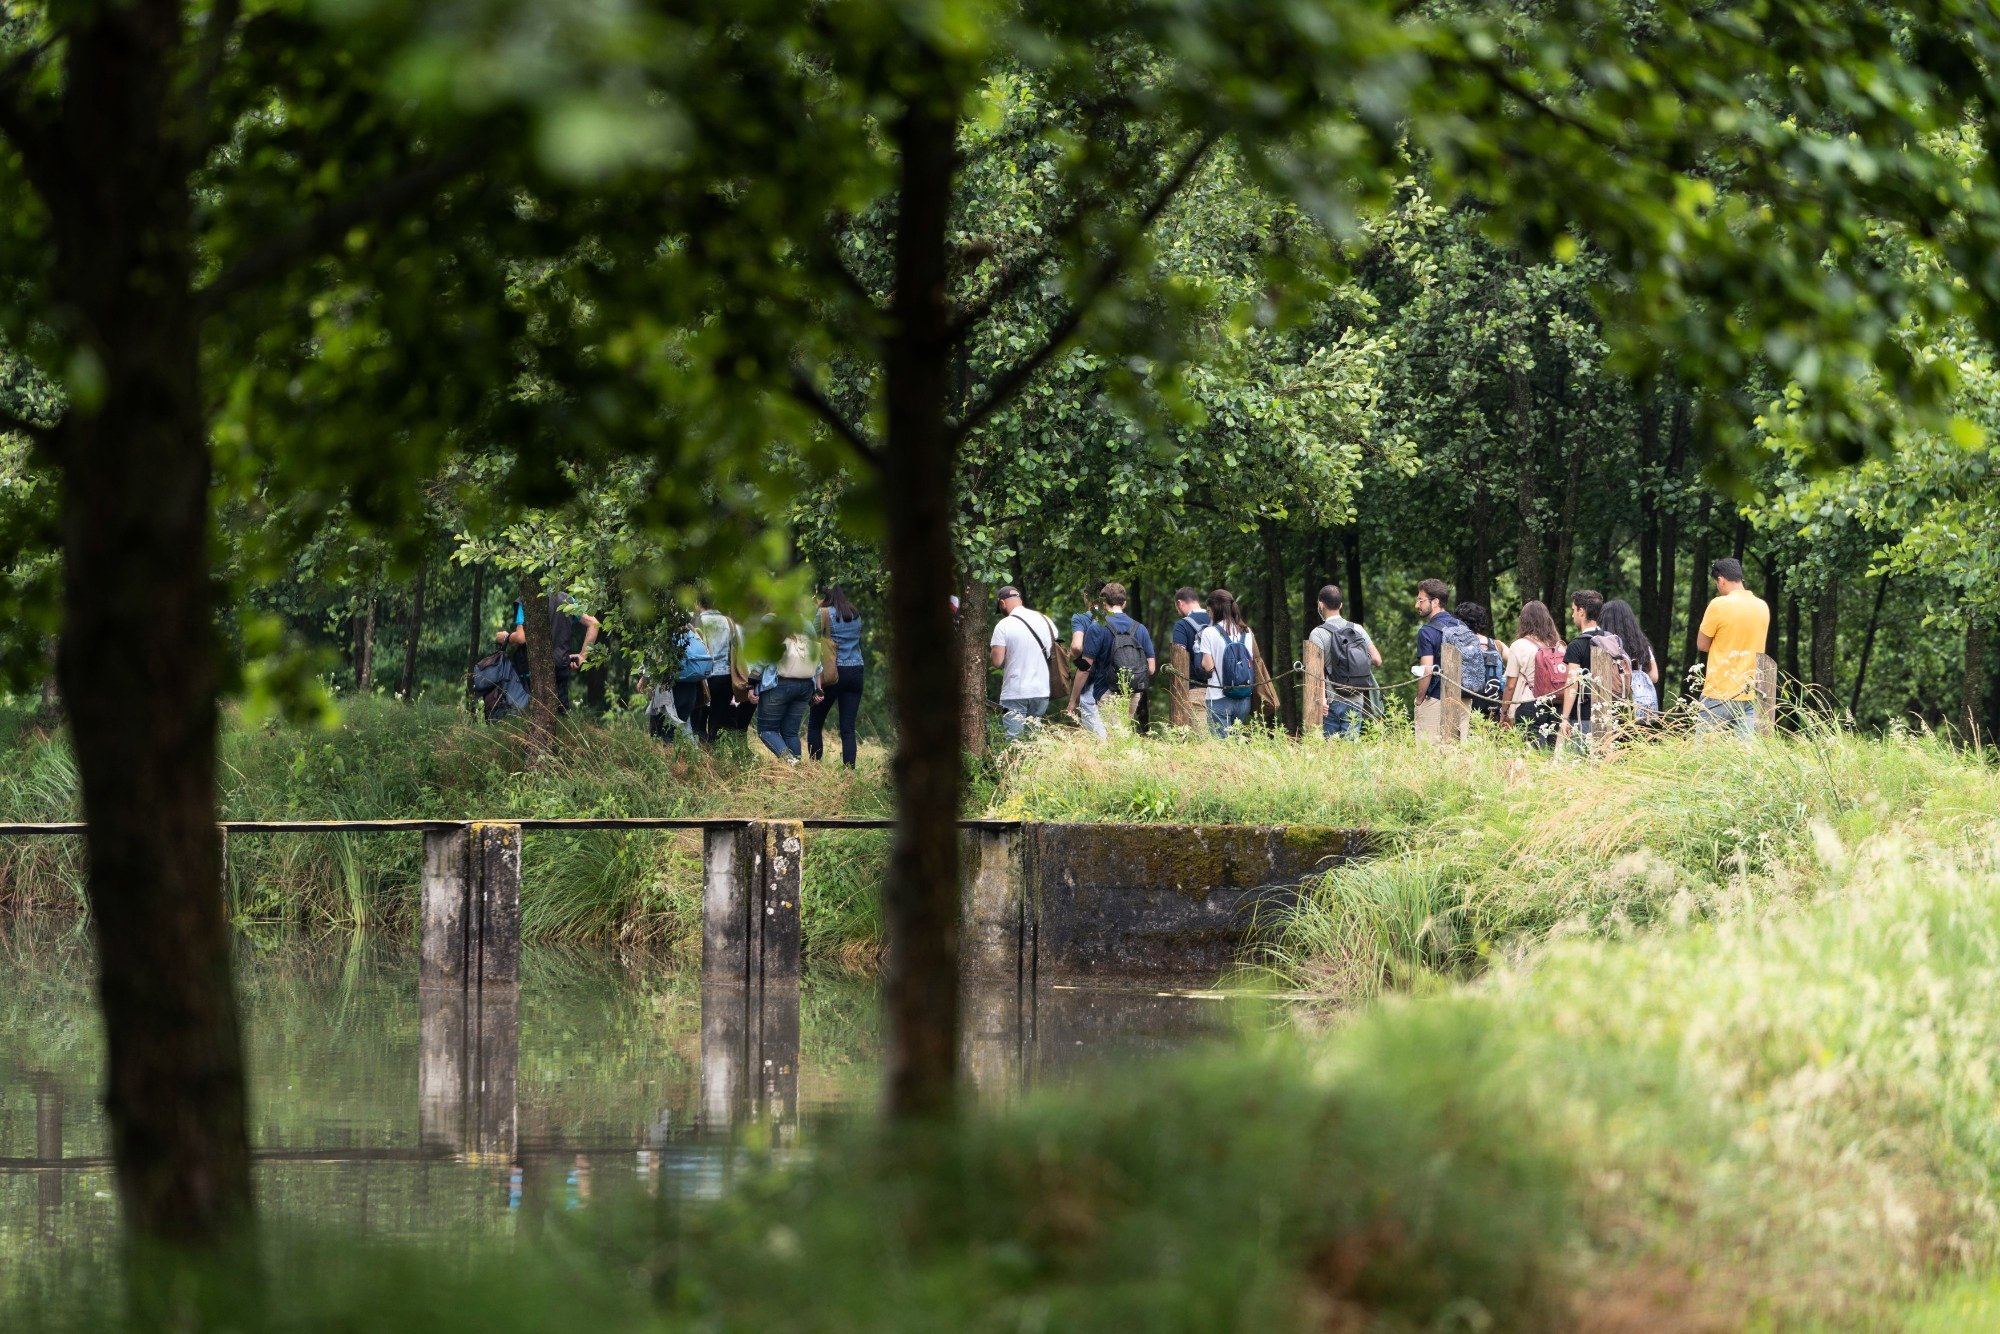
pixel 389 1110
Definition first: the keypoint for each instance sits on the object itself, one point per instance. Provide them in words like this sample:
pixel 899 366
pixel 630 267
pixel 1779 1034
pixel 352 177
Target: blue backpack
pixel 696 661
pixel 1238 675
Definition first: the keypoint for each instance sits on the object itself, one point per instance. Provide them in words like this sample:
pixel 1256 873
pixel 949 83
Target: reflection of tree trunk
pixel 1700 583
pixel 541 655
pixel 364 648
pixel 413 636
pixel 480 637
pixel 139 625
pixel 1528 553
pixel 975 599
pixel 1868 646
pixel 1825 642
pixel 921 897
pixel 1973 681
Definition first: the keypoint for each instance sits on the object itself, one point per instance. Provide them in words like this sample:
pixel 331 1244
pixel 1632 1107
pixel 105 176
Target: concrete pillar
pixel 750 902
pixel 471 934
pixel 996 920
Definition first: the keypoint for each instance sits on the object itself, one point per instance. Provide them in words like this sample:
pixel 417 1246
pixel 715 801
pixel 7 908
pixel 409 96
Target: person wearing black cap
pixel 1021 643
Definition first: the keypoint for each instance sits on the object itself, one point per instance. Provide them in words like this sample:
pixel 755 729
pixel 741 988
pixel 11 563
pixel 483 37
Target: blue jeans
pixel 1726 715
pixel 1225 713
pixel 781 711
pixel 1087 713
pixel 1014 714
pixel 1343 719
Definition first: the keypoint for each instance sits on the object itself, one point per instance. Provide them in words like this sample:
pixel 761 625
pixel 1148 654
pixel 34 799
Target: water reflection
pixel 390 1109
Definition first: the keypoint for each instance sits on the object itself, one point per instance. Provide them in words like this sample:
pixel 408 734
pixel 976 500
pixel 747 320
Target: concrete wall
pixel 1171 903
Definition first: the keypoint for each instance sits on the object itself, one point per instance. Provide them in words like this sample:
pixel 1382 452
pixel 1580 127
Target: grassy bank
pixel 390 761
pixel 1487 849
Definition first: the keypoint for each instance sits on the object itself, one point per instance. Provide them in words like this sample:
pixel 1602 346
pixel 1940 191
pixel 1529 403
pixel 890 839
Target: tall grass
pixel 1488 847
pixel 386 760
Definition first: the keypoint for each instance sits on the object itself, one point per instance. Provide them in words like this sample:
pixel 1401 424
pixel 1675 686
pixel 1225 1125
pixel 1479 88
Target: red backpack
pixel 1551 672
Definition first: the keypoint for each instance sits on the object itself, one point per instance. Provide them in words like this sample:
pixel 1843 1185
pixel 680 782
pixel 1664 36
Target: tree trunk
pixel 541 653
pixel 1699 583
pixel 1794 669
pixel 1659 625
pixel 412 637
pixel 1277 630
pixel 364 649
pixel 480 636
pixel 1973 682
pixel 139 624
pixel 1867 646
pixel 1649 510
pixel 921 896
pixel 1558 592
pixel 975 596
pixel 1825 644
pixel 1350 541
pixel 1528 546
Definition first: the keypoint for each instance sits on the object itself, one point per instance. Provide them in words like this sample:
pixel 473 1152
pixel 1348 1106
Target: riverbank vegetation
pixel 1481 850
pixel 1773 1119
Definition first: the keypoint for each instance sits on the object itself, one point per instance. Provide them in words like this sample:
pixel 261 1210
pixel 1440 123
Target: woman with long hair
pixel 1229 657
pixel 840 627
pixel 1536 639
pixel 1619 619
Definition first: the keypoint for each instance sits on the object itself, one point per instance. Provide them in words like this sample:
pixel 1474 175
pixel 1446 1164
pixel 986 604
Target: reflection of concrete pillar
pixel 724 1055
pixel 750 902
pixel 996 1035
pixel 776 1067
pixel 468 1070
pixel 749 1055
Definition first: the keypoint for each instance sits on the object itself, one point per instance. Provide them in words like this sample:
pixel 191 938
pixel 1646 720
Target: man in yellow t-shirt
pixel 1733 631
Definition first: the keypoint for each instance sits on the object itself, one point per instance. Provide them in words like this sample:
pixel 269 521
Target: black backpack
pixel 1344 658
pixel 1127 658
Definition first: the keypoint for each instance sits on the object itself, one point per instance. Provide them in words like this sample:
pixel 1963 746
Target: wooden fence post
pixel 1453 722
pixel 1603 699
pixel 1766 707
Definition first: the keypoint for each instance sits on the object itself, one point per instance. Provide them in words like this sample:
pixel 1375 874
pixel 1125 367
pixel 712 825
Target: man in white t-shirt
pixel 1020 647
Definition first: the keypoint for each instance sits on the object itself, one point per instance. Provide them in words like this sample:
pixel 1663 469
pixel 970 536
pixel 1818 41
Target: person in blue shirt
pixel 1192 690
pixel 1113 656
pixel 842 623
pixel 1432 594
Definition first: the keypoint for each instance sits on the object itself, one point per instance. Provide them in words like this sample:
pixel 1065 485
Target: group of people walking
pixel 816 675
pixel 1541 681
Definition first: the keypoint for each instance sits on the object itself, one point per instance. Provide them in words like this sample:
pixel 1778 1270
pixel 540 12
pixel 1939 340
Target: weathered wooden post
pixel 1603 697
pixel 1453 723
pixel 750 901
pixel 1181 703
pixel 1766 707
pixel 1312 700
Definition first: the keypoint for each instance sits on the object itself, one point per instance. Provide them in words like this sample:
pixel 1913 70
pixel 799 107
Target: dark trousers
pixel 715 714
pixel 846 692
